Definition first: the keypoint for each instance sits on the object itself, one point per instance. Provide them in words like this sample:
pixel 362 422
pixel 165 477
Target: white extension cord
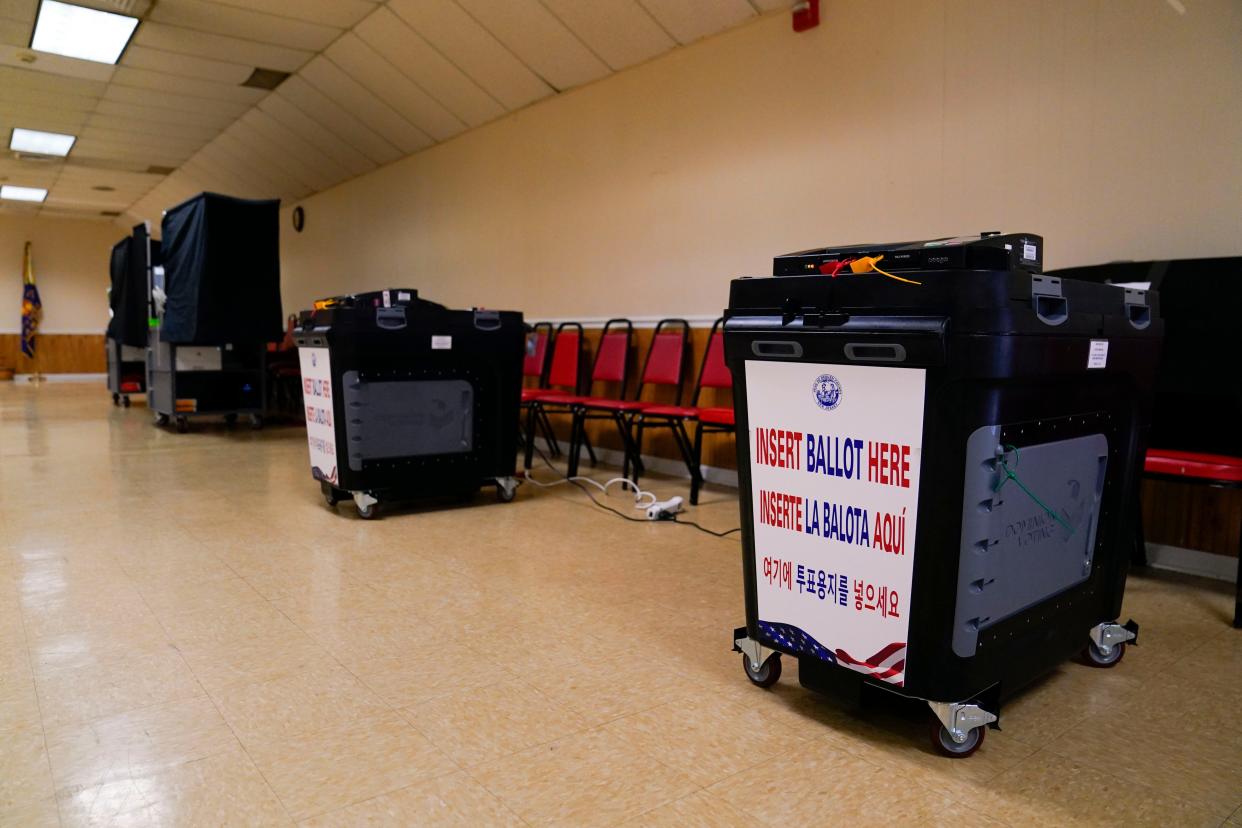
pixel 655 509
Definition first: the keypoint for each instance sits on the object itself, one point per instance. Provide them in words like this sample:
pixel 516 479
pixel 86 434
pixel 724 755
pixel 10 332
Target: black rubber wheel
pixel 1095 657
pixel 116 399
pixel 125 402
pixel 256 422
pixel 943 741
pixel 183 425
pixel 368 512
pixel 161 419
pixel 331 498
pixel 766 674
pixel 505 495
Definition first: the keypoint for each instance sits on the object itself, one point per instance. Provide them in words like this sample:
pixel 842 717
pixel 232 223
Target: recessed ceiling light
pixel 13 193
pixel 79 32
pixel 43 143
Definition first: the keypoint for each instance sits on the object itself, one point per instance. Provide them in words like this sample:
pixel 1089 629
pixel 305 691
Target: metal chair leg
pixel 696 479
pixel 530 435
pixel 576 429
pixel 549 433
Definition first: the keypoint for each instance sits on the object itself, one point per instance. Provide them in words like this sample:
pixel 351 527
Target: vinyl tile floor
pixel 189 636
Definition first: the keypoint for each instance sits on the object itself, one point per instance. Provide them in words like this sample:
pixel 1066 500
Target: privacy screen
pixel 128 298
pixel 222 271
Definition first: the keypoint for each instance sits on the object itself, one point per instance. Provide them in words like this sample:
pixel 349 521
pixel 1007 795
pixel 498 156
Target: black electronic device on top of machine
pixel 986 251
pixel 131 267
pixel 937 487
pixel 406 398
pixel 216 310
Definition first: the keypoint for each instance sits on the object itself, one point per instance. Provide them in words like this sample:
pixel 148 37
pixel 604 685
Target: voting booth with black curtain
pixel 222 272
pixel 220 309
pixel 126 340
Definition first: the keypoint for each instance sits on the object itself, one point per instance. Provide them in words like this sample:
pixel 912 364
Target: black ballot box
pixel 407 399
pixel 938 458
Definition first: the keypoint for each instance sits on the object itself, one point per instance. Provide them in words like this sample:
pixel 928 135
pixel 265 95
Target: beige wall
pixel 1112 127
pixel 71 269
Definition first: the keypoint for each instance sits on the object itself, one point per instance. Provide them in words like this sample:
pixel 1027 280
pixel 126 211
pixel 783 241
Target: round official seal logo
pixel 827 391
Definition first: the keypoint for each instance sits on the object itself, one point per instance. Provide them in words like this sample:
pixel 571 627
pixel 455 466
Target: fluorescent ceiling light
pixel 43 143
pixel 79 32
pixel 22 193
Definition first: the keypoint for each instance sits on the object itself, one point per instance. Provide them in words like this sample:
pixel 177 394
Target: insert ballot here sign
pixel 320 426
pixel 835 455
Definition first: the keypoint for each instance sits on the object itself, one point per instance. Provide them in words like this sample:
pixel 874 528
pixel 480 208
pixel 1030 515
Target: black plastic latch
pixel 390 319
pixel 1137 309
pixel 486 320
pixel 1050 306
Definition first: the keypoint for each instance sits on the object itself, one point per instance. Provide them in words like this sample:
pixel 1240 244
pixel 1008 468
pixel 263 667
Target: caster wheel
pixel 766 674
pixel 116 399
pixel 942 740
pixel 506 495
pixel 161 419
pixel 125 402
pixel 230 421
pixel 183 425
pixel 331 498
pixel 368 512
pixel 1096 657
pixel 256 422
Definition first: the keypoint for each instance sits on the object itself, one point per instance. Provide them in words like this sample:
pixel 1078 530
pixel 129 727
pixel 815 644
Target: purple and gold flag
pixel 32 307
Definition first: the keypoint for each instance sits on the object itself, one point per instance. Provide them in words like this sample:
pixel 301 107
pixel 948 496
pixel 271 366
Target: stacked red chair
pixel 564 376
pixel 713 373
pixel 665 365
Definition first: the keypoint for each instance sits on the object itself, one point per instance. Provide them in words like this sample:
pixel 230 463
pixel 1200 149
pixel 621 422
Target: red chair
pixel 535 366
pixel 713 373
pixel 565 372
pixel 664 365
pixel 1218 470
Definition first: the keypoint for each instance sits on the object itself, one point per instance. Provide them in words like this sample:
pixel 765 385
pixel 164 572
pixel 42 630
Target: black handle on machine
pixel 390 319
pixel 486 320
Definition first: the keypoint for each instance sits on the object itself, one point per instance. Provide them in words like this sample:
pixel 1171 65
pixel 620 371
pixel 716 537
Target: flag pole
pixel 36 375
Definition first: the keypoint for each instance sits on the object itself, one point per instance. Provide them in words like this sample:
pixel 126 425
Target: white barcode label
pixel 1097 356
pixel 1028 251
pixel 403 296
pixel 445 343
pixel 387 300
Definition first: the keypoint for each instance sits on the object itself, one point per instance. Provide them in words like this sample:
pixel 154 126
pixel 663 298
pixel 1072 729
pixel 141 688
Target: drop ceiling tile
pixel 365 65
pixel 219 47
pixel 156 117
pixel 318 135
pixel 147 79
pixel 281 165
pixel 172 63
pixel 141 156
pixel 539 39
pixel 170 100
pixel 355 98
pixel 461 39
pixel 343 14
pixel 137 139
pixel 310 167
pixel 251 184
pixel 340 122
pixel 41 81
pixel 311 156
pixel 68 123
pixel 168 126
pixel 14 33
pixel 619 31
pixel 211 176
pixel 22 11
pixel 239 22
pixel 277 181
pixel 418 60
pixel 689 20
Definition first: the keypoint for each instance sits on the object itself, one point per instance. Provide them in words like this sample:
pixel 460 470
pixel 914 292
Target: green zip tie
pixel 1009 475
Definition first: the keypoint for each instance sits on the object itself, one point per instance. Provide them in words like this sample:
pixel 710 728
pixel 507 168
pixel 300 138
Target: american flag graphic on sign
pixel 887 665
